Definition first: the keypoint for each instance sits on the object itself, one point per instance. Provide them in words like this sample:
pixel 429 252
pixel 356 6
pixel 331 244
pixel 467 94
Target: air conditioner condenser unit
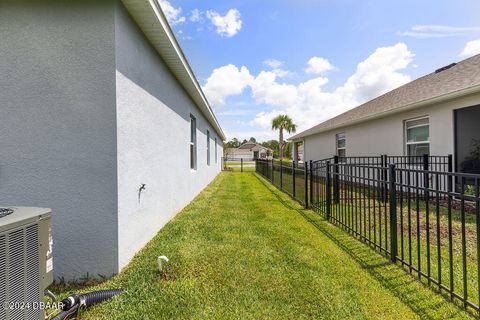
pixel 26 263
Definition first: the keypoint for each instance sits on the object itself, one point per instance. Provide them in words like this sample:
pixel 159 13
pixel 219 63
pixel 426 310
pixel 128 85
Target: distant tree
pixel 252 139
pixel 234 143
pixel 272 145
pixel 229 146
pixel 283 123
pixel 288 146
pixel 244 141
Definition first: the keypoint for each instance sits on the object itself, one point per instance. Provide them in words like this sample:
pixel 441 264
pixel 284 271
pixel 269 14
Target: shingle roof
pixel 247 146
pixel 459 77
pixel 259 147
pixel 252 146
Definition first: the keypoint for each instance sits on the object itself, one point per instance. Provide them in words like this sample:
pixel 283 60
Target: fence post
pixel 449 177
pixel 426 167
pixel 273 170
pixel 281 174
pixel 426 164
pixel 336 182
pixel 383 177
pixel 329 190
pixel 241 164
pixel 293 177
pixel 393 213
pixel 450 163
pixel 305 176
pixel 311 179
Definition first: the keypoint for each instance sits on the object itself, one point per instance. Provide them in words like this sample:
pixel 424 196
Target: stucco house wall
pixel 247 151
pixel 58 133
pixel 153 121
pixel 239 154
pixel 89 113
pixel 385 135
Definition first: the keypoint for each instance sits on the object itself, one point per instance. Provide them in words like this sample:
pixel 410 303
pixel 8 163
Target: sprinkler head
pixel 160 261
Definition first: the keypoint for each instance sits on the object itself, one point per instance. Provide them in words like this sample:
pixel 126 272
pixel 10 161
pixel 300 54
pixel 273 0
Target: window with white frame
pixel 341 142
pixel 417 137
pixel 193 143
pixel 208 147
pixel 216 150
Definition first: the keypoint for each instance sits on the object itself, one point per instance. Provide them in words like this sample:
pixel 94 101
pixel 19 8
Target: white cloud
pixel 264 119
pixel 281 73
pixel 226 81
pixel 174 15
pixel 273 63
pixel 471 48
pixel 318 65
pixel 265 89
pixel 181 34
pixel 378 73
pixel 196 16
pixel 307 102
pixel 437 31
pixel 227 25
pixel 276 67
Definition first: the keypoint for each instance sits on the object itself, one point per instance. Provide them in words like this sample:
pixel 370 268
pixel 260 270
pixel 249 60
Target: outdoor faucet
pixel 142 187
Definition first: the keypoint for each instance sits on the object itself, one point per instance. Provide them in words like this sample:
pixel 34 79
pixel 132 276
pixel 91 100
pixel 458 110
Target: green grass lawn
pixel 236 166
pixel 364 212
pixel 245 250
pixel 287 182
pixel 239 162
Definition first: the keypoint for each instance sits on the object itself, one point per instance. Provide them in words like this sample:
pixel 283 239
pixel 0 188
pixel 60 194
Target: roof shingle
pixel 463 75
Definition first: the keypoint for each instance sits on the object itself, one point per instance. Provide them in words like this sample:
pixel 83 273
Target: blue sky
pixel 314 59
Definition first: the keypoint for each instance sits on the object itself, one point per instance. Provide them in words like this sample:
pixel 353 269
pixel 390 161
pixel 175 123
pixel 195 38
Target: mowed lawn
pixel 239 166
pixel 244 250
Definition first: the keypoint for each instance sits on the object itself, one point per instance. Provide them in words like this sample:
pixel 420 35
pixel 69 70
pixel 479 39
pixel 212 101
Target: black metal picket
pixel 289 177
pixel 416 213
pixel 413 210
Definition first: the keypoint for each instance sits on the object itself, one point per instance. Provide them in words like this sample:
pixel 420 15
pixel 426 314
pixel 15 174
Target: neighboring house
pixel 437 114
pixel 298 151
pixel 103 121
pixel 249 150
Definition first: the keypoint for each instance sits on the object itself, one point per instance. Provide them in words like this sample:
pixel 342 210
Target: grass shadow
pixel 418 296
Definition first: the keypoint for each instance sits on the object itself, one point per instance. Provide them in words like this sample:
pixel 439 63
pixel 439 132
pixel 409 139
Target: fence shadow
pixel 422 299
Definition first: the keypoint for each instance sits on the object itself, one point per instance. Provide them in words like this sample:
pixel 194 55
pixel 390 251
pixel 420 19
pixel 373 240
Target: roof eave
pixel 153 23
pixel 419 104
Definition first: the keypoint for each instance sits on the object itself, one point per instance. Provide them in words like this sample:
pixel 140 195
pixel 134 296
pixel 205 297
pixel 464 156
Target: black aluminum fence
pixel 429 163
pixel 426 220
pixel 413 210
pixel 293 178
pixel 289 177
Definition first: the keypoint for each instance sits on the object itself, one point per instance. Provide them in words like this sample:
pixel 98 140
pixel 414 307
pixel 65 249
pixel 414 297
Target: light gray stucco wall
pixel 153 141
pixel 386 135
pixel 58 130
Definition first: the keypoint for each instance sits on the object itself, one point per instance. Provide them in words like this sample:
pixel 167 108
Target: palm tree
pixel 280 123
